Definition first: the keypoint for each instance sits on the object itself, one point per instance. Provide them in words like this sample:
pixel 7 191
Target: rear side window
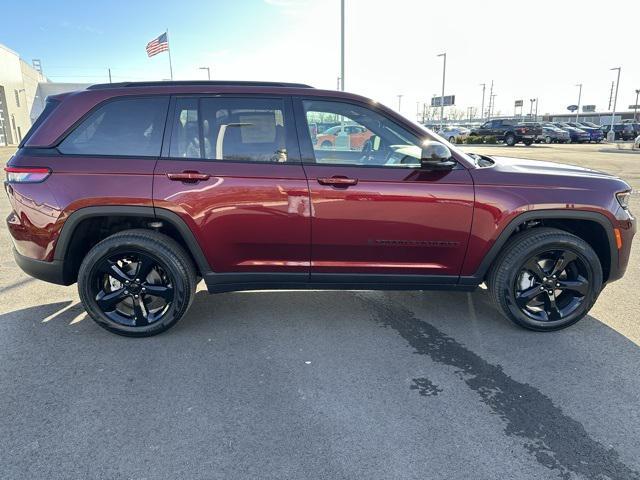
pixel 230 129
pixel 124 127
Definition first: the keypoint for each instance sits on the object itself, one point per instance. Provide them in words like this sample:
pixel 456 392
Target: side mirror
pixel 436 156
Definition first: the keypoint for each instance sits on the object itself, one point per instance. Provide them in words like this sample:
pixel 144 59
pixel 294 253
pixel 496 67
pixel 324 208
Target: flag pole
pixel 169 51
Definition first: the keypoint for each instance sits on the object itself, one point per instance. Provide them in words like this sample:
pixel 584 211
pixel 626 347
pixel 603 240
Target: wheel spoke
pixel 524 297
pixel 551 308
pixel 534 267
pixel 112 269
pixel 107 301
pixel 164 292
pixel 145 265
pixel 141 314
pixel 563 260
pixel 581 285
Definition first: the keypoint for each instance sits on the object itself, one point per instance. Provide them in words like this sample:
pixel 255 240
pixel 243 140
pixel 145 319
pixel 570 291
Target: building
pixel 23 92
pixel 18 84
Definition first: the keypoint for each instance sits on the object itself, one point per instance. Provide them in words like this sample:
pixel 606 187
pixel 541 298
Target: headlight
pixel 623 199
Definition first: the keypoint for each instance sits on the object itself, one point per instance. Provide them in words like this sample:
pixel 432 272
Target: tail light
pixel 26 174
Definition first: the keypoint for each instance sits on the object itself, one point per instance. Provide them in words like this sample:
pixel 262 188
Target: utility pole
pixel 444 72
pixel 484 86
pixel 342 45
pixel 536 111
pixel 208 72
pixel 109 75
pixel 399 102
pixel 492 104
pixel 579 98
pixel 490 100
pixel 611 134
pixel 635 107
pixel 338 84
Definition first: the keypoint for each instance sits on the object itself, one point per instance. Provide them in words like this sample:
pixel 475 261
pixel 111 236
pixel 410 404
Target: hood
pixel 539 167
pixel 518 171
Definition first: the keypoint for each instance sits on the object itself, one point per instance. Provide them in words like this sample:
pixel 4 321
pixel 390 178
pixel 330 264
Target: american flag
pixel 157 45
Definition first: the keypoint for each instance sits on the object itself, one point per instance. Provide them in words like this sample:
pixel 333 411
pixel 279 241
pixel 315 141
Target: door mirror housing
pixel 436 156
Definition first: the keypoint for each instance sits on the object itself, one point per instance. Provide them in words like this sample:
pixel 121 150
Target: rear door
pixel 377 215
pixel 231 170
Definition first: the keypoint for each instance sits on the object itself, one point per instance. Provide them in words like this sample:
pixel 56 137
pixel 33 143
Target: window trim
pixel 304 139
pixel 291 136
pixel 99 105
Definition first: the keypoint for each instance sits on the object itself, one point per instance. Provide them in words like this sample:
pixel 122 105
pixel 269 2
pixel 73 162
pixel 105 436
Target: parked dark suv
pixel 137 191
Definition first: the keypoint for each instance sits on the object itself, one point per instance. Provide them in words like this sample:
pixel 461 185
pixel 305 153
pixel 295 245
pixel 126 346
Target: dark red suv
pixel 139 190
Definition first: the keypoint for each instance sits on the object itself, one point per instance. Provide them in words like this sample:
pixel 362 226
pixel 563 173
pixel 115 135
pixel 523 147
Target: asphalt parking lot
pixel 335 385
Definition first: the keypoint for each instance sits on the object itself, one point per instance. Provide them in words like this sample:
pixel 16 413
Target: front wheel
pixel 452 139
pixel 528 143
pixel 137 283
pixel 545 279
pixel 510 140
pixel 547 139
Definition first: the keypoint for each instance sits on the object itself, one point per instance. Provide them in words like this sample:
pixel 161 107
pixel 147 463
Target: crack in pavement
pixel 556 440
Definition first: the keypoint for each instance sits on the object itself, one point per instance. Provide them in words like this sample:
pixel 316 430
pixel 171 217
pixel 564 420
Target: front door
pixel 231 170
pixel 377 216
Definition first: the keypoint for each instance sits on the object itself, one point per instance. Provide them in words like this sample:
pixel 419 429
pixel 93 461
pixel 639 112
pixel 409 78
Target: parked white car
pixel 636 142
pixel 454 133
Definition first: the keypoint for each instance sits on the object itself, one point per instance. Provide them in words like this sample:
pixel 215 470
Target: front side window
pixel 230 129
pixel 124 127
pixel 355 135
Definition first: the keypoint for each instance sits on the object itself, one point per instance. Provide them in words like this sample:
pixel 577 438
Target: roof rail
pixel 188 83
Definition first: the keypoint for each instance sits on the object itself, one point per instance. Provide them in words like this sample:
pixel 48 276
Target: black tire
pixel 326 144
pixel 171 274
pixel 510 139
pixel 452 139
pixel 508 272
pixel 528 143
pixel 548 139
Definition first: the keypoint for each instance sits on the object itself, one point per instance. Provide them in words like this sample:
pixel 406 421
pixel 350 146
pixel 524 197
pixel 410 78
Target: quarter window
pixel 127 127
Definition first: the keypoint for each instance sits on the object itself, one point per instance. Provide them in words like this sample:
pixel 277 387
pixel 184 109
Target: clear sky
pixel 537 49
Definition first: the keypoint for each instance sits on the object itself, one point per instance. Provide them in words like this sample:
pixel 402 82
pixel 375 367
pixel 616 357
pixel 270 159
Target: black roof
pixel 184 83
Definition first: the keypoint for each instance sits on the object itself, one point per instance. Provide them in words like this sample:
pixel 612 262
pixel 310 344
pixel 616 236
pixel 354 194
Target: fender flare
pixel 496 248
pixel 74 219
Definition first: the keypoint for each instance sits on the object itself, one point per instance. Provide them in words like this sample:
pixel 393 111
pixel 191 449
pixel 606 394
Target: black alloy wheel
pixel 137 283
pixel 552 285
pixel 132 289
pixel 545 279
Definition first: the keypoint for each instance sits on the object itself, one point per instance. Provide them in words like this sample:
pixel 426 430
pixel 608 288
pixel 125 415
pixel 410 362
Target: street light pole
pixel 579 98
pixel 611 134
pixel 399 102
pixel 342 45
pixel 635 107
pixel 484 86
pixel 208 72
pixel 444 72
pixel 531 100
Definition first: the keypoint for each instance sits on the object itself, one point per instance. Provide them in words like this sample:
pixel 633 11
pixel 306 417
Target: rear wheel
pixel 528 143
pixel 452 139
pixel 137 283
pixel 545 279
pixel 547 139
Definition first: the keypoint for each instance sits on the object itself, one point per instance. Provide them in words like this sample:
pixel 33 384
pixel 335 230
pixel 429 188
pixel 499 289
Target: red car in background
pixel 357 136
